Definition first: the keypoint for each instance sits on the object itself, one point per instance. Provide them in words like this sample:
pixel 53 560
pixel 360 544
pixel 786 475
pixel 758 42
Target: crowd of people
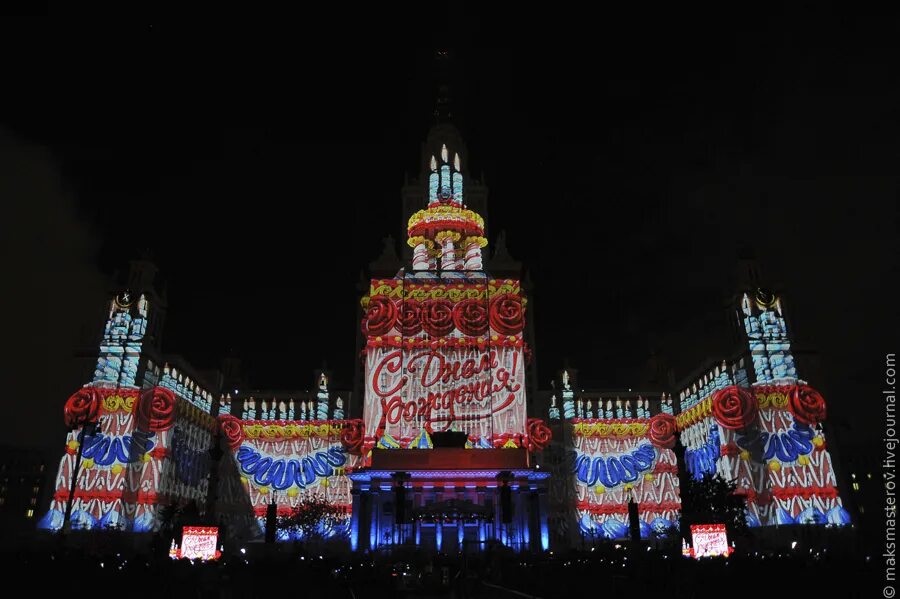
pixel 496 572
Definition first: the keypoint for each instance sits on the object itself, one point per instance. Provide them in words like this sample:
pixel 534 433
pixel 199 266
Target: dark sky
pixel 627 178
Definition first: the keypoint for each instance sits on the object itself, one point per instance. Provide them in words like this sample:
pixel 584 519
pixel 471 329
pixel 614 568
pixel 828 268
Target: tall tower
pixel 766 334
pixel 132 331
pixel 139 430
pixel 751 419
pixel 443 138
pixel 444 349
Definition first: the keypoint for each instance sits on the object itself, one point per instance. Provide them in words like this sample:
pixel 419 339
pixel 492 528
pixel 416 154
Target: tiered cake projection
pixel 613 449
pixel 445 353
pixel 284 462
pixel 443 449
pixel 133 448
pixel 289 455
pixel 767 436
pixel 444 347
pixel 622 459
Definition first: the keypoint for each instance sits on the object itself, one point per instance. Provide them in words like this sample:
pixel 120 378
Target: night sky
pixel 627 179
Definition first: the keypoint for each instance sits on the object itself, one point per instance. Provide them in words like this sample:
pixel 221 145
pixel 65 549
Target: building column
pixel 542 519
pixel 522 517
pixel 374 528
pixel 417 524
pixel 482 523
pixel 438 534
pixel 355 519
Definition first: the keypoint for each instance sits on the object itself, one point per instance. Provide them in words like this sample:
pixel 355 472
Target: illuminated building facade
pixel 286 447
pixel 751 419
pixel 444 442
pixel 611 449
pixel 140 431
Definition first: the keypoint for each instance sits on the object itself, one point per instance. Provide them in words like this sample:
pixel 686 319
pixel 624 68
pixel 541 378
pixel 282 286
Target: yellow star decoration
pixel 818 441
pixel 324 482
pixel 648 477
pixel 145 457
pixel 628 486
pixel 803 460
pixel 243 480
pixel 293 492
pixel 599 490
pixel 774 466
pixel 73 445
pixel 88 463
pixel 117 469
pixel 745 455
pixel 264 490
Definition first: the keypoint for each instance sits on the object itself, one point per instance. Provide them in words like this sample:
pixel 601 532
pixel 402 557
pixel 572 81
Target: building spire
pixel 442 110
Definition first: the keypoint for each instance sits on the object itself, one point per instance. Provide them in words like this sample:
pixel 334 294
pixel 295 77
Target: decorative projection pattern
pixel 123 335
pixel 444 353
pixel 620 460
pixel 445 234
pixel 151 448
pixel 281 461
pixel 768 439
pixel 767 334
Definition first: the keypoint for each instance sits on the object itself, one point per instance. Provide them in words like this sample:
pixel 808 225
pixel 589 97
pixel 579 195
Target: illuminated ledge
pixel 450 458
pixel 368 475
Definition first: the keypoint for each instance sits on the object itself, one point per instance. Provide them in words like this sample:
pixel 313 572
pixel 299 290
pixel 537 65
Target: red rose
pixel 734 407
pixel 662 431
pixel 352 436
pixel 471 317
pixel 156 409
pixel 437 317
pixel 539 434
pixel 381 315
pixel 410 321
pixel 232 429
pixel 806 405
pixel 507 314
pixel 83 406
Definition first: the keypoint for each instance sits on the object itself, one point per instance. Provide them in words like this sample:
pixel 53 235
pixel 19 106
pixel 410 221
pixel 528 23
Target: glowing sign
pixel 479 392
pixel 199 542
pixel 710 540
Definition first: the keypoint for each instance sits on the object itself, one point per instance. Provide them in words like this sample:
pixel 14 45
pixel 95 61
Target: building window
pixel 33 501
pixel 35 490
pixel 29 514
pixel 856 486
pixel 2 501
